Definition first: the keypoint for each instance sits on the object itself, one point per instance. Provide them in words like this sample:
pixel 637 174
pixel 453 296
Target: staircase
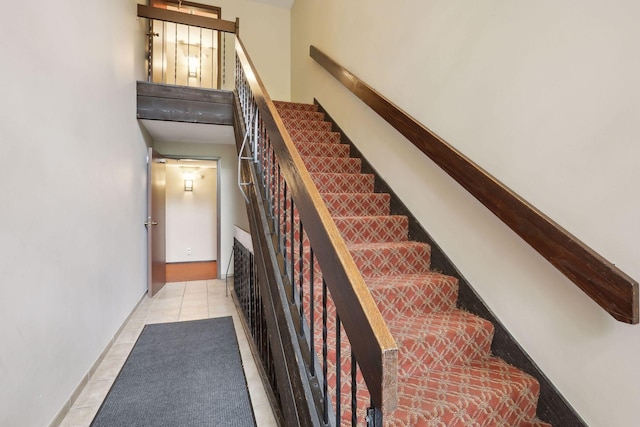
pixel 447 375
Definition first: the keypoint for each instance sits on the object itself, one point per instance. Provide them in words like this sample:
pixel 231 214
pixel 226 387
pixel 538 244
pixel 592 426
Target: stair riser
pixel 289 114
pixel 316 164
pixel 283 105
pixel 299 135
pixel 373 229
pixel 414 299
pixel 375 262
pixel 357 204
pixel 307 149
pixel 343 183
pixel 443 345
pixel 308 125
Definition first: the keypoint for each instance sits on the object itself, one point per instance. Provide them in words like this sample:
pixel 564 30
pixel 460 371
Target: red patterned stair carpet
pixel 447 375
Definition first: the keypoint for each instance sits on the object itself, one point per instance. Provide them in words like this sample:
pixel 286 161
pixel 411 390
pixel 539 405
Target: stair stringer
pixel 552 406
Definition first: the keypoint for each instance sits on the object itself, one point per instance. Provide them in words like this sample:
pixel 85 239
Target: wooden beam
pixel 186 19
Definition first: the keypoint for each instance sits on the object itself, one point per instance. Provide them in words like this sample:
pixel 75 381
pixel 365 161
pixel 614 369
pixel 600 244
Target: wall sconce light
pixel 188 181
pixel 194 64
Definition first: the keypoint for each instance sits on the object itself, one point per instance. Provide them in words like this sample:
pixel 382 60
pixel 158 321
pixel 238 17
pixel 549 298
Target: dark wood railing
pixel 371 342
pixel 607 285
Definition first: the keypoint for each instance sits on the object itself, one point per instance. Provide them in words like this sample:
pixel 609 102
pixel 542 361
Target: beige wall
pixel 544 95
pixel 72 184
pixel 265 32
pixel 191 216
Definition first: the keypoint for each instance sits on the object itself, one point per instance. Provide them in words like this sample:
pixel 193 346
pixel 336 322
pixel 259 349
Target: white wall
pixel 232 209
pixel 191 216
pixel 72 185
pixel 544 95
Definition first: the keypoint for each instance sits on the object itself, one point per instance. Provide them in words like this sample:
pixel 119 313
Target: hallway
pixel 177 301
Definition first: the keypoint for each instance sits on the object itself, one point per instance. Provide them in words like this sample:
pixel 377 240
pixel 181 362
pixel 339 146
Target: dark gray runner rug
pixel 180 374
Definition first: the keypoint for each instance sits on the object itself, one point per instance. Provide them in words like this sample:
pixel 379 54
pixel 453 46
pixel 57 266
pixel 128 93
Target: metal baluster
pixel 279 218
pixel 312 326
pixel 338 371
pixel 354 391
pixel 301 276
pixel 268 183
pixel 325 367
pixel 292 245
pixel 284 228
pixel 272 186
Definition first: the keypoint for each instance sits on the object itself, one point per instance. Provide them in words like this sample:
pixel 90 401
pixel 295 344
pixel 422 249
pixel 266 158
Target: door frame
pixel 218 226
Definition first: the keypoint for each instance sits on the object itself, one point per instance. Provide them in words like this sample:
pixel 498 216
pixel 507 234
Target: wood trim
pixel 607 285
pixel 372 343
pixel 188 271
pixel 184 18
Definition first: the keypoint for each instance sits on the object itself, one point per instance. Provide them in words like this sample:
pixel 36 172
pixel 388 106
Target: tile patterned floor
pixel 175 302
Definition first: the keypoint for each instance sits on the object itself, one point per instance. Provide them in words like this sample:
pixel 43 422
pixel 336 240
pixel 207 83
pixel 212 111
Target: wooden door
pixel 156 225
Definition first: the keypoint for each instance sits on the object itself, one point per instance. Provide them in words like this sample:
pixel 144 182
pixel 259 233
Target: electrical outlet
pixel 188 251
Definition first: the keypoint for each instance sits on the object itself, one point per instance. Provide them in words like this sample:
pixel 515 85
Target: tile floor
pixel 175 302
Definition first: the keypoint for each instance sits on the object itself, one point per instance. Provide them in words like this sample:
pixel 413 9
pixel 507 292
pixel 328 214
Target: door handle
pixel 149 222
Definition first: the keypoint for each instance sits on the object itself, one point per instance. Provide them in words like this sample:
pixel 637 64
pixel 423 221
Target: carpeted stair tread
pixel 300 135
pixel 385 259
pixel 357 204
pixel 318 164
pixel 487 393
pixel 447 375
pixel 316 149
pixel 286 105
pixel 310 125
pixel 416 294
pixel 373 229
pixel 291 114
pixel 343 182
pixel 441 339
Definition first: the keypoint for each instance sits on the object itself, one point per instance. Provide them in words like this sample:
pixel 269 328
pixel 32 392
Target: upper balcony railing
pixel 606 284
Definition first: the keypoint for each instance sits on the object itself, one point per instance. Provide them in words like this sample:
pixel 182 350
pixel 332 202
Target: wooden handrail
pixel 607 285
pixel 187 19
pixel 371 342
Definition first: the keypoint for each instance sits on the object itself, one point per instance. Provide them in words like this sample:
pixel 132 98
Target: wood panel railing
pixel 607 285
